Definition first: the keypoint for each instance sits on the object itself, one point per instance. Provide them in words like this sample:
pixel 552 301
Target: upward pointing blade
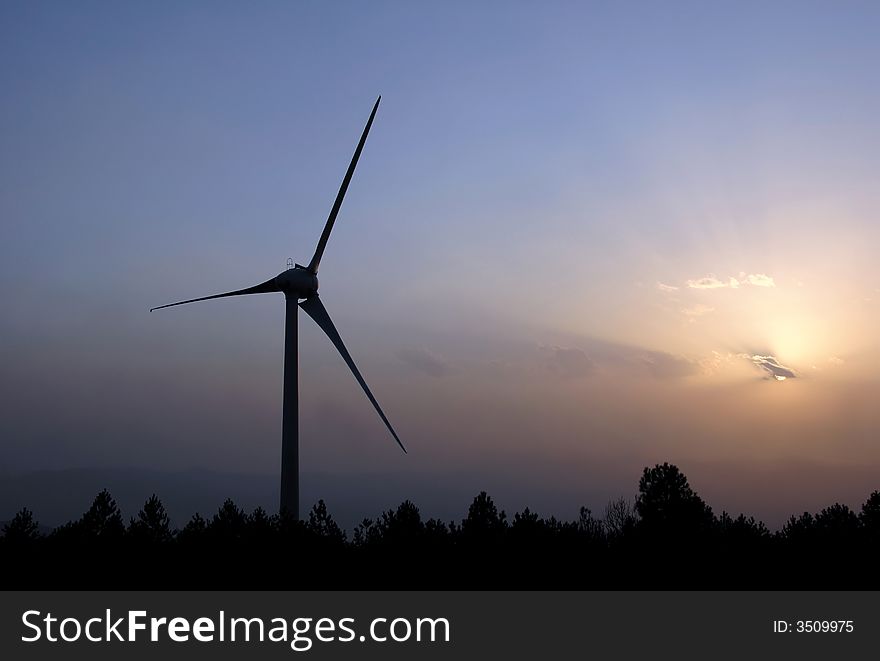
pixel 315 309
pixel 264 288
pixel 322 242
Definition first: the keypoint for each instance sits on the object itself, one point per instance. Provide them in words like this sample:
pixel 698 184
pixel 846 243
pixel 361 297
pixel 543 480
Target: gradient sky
pixel 582 238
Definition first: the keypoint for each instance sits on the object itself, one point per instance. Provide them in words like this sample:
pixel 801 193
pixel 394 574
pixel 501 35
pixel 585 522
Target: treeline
pixel 666 537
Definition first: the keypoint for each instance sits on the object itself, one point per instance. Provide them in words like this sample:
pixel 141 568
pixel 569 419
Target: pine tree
pixel 22 529
pixel 322 524
pixel 103 520
pixel 152 525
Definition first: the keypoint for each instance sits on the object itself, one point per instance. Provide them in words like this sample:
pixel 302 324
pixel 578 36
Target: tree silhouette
pixel 229 523
pixel 365 533
pixel 741 530
pixel 667 538
pixel 194 529
pixel 401 526
pixel 322 525
pixel 869 522
pixel 259 526
pixel 869 517
pixel 837 527
pixel 483 521
pixel 589 526
pixel 152 525
pixel 22 530
pixel 290 529
pixel 481 536
pixel 527 532
pixel 526 524
pixel 437 535
pixel 668 507
pixel 102 522
pixel 799 528
pixel 620 518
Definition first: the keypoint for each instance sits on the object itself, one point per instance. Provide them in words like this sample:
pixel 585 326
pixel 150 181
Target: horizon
pixel 187 492
pixel 576 244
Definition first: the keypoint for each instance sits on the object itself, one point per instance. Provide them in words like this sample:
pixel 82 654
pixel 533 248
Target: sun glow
pixel 798 338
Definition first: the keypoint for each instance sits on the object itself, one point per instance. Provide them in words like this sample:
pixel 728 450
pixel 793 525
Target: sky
pixel 583 238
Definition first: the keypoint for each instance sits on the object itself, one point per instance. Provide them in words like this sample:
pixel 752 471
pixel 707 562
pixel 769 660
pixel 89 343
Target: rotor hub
pixel 297 281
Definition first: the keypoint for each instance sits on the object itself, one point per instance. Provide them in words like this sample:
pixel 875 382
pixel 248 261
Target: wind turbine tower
pixel 300 288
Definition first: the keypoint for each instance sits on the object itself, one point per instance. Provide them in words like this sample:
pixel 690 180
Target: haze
pixel 582 239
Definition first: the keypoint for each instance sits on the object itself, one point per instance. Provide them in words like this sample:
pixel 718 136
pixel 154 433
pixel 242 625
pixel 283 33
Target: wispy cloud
pixel 568 361
pixel 707 282
pixel 758 280
pixel 714 363
pixel 608 359
pixel 424 360
pixel 697 310
pixel 667 288
pixel 712 282
pixel 666 366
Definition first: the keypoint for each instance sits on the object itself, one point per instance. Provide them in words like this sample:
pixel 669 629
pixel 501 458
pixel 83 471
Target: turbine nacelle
pixel 298 281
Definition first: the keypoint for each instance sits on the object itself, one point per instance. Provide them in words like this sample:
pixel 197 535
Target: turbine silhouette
pixel 301 282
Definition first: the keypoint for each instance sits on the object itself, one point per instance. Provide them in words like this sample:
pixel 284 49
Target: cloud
pixel 711 365
pixel 697 310
pixel 707 282
pixel 570 362
pixel 424 360
pixel 612 359
pixel 666 366
pixel 712 282
pixel 666 288
pixel 772 367
pixel 758 280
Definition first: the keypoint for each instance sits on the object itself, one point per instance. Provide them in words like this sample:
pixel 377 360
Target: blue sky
pixel 535 172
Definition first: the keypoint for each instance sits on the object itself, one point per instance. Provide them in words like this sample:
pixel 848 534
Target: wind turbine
pixel 300 288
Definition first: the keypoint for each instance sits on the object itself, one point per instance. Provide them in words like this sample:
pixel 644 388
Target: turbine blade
pixel 315 309
pixel 264 288
pixel 322 242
